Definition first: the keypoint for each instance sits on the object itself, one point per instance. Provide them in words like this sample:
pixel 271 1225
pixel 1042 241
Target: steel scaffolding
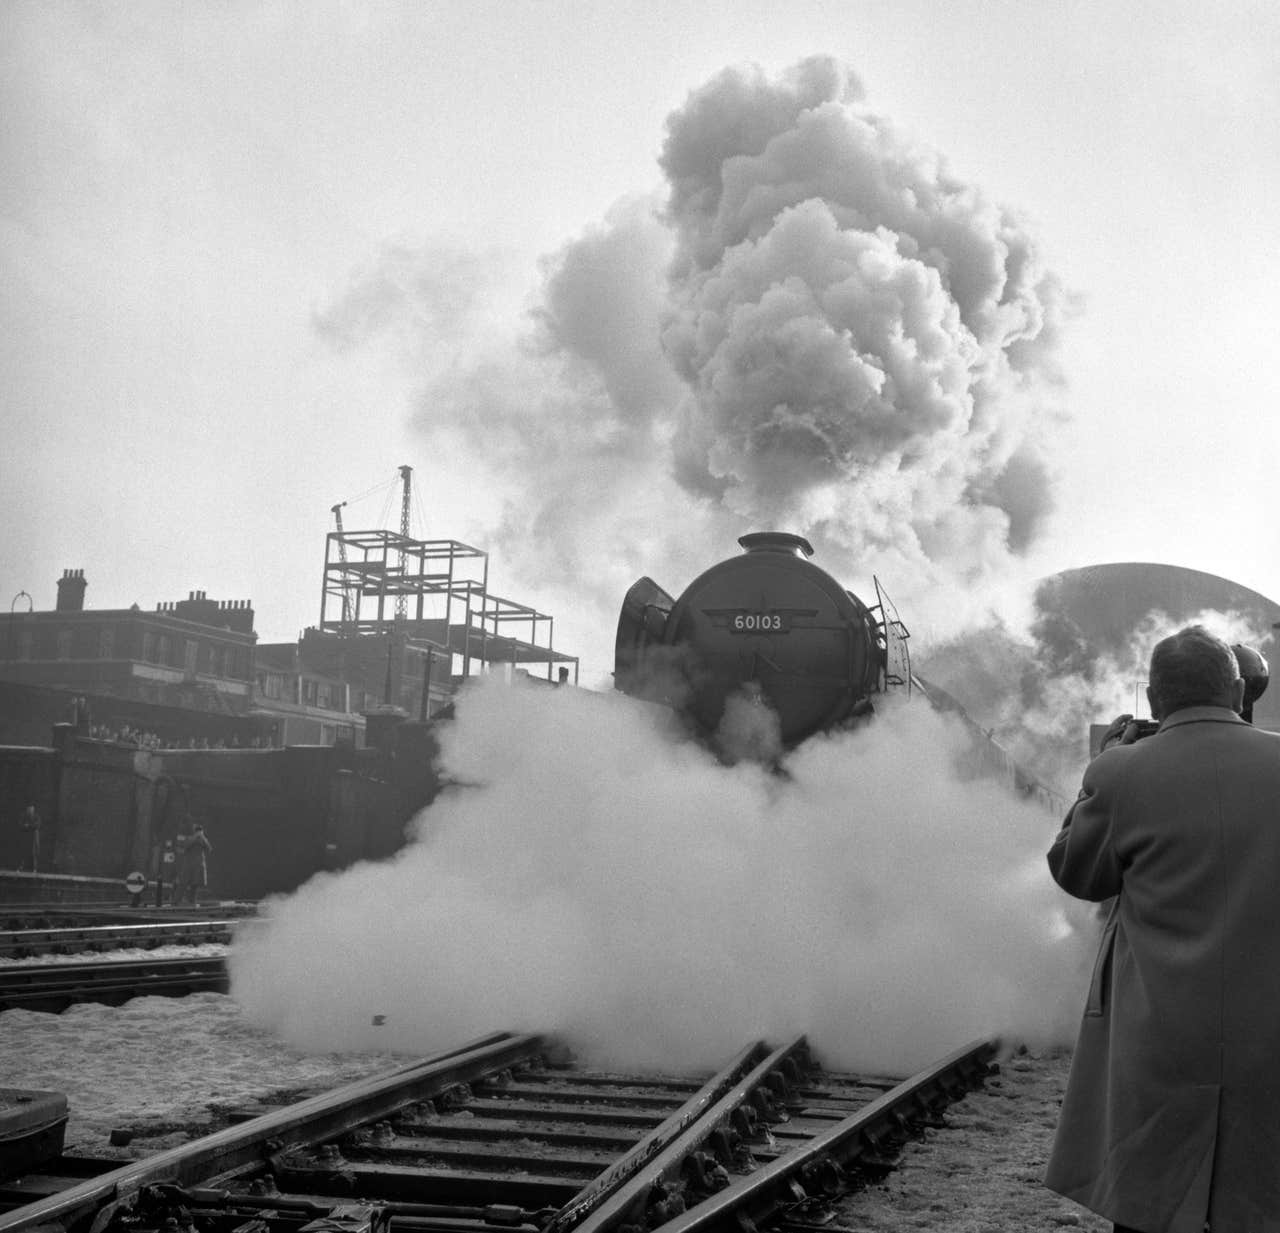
pixel 436 594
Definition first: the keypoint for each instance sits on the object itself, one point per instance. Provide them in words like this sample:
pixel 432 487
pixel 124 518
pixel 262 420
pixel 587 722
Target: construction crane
pixel 402 600
pixel 336 511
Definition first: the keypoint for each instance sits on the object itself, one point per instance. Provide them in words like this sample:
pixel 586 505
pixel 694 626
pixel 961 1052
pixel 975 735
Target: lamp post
pixel 13 604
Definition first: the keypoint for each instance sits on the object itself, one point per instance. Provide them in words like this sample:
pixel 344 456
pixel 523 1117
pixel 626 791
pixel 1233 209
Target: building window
pixel 148 646
pixel 309 692
pixel 64 644
pixel 106 643
pixel 163 645
pixel 190 656
pixel 24 644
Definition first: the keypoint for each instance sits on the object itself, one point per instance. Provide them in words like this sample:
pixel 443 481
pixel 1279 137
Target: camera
pixel 1145 727
pixel 1124 729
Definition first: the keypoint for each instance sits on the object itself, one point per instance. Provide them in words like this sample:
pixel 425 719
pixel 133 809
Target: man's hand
pixel 1122 730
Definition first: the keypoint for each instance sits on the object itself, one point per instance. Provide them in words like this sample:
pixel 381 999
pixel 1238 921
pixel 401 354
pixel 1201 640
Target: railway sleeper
pixel 497 1130
pixel 222 1209
pixel 513 1153
pixel 632 1094
pixel 610 1115
pixel 345 1179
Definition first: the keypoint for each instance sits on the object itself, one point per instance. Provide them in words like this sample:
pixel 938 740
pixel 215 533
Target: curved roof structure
pixel 1105 605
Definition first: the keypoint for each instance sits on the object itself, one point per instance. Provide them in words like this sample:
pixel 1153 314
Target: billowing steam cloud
pixel 860 331
pixel 602 880
pixel 816 327
pixel 1040 692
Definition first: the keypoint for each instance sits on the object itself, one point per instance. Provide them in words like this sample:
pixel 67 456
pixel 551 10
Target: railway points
pixel 509 1133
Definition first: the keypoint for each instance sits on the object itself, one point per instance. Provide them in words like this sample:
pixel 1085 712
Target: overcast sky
pixel 254 257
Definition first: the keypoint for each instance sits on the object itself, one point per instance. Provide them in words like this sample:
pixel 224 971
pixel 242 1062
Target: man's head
pixel 1193 668
pixel 1256 673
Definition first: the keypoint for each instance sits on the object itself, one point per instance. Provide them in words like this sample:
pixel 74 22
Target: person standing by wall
pixel 29 824
pixel 180 841
pixel 1171 1116
pixel 196 868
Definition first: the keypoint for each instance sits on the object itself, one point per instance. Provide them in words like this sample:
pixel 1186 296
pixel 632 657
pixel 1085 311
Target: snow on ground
pixel 982 1173
pixel 163 1068
pixel 159 1067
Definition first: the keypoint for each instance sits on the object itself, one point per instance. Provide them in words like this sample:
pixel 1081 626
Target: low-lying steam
pixel 609 882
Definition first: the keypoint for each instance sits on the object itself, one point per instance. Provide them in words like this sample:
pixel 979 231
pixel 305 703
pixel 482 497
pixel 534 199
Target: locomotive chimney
pixel 71 591
pixel 776 541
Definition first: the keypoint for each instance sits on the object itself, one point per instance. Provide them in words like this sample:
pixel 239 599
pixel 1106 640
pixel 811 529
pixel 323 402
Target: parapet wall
pixel 274 816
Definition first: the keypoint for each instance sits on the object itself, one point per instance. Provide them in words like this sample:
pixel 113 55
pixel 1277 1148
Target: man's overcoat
pixel 1172 1109
pixel 194 865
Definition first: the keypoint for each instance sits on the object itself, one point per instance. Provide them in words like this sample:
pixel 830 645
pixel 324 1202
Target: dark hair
pixel 1192 668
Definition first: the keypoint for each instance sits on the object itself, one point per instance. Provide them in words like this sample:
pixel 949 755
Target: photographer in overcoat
pixel 1171 1116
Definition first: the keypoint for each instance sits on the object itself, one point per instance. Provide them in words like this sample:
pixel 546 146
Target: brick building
pixel 193 655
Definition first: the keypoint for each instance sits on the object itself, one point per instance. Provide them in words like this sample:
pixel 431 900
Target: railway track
pixel 42 915
pixel 65 916
pixel 55 986
pixel 74 939
pixel 505 1134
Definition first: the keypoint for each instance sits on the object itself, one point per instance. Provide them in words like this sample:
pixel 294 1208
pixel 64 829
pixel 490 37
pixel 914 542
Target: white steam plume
pixel 816 327
pixel 865 337
pixel 659 909
pixel 1039 693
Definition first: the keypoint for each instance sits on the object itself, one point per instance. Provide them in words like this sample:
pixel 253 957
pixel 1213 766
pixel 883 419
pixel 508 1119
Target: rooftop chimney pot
pixel 71 587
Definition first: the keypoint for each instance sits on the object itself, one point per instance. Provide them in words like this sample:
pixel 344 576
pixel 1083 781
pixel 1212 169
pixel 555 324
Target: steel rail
pixel 79 913
pixel 42 986
pixel 630 1199
pixel 90 1205
pixel 36 975
pixel 751 1201
pixel 596 1192
pixel 24 942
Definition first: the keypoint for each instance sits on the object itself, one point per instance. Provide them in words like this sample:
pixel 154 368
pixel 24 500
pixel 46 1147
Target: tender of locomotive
pixel 769 626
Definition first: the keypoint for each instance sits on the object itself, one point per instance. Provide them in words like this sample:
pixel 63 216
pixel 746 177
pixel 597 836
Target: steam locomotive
pixel 771 627
pixel 768 625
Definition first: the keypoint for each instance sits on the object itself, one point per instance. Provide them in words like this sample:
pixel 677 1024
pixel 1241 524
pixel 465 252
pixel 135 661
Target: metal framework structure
pixel 436 593
pixel 336 511
pixel 406 478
